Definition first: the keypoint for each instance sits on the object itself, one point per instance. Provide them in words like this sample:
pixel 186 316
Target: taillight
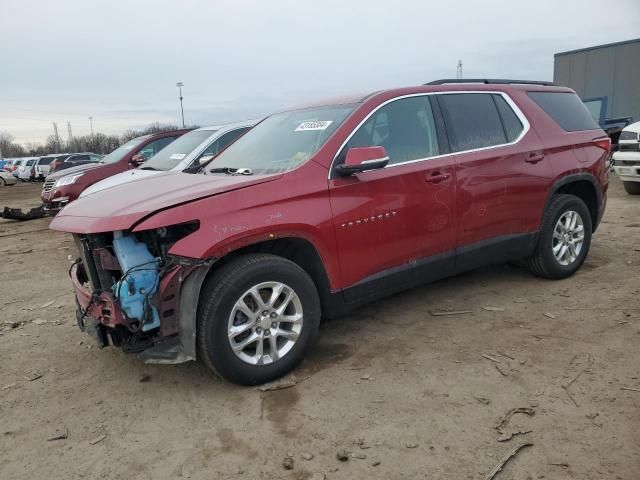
pixel 54 165
pixel 604 143
pixel 33 171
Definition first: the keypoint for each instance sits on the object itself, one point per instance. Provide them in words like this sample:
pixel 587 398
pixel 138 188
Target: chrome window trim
pixel 521 116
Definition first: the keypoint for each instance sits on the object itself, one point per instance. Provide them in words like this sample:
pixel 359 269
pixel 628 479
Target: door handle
pixel 534 157
pixel 436 177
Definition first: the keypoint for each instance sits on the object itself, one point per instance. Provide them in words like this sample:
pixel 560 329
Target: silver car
pixel 7 179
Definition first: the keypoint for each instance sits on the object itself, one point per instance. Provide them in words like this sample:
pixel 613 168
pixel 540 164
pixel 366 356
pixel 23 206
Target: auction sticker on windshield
pixel 177 156
pixel 316 125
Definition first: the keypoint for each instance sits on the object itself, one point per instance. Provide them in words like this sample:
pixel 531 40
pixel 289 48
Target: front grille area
pixel 629 147
pixel 48 185
pixel 625 135
pixel 628 163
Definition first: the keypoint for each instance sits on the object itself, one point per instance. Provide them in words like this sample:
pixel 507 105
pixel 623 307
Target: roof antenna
pixel 459 70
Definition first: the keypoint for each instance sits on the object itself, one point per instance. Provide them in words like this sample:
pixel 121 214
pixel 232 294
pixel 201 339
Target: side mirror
pixel 204 159
pixel 137 160
pixel 361 159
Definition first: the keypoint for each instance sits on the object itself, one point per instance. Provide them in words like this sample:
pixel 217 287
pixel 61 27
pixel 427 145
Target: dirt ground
pixel 405 393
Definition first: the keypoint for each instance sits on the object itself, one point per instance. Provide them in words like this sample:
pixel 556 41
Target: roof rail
pixel 489 81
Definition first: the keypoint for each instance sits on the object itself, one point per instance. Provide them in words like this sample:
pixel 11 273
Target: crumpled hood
pixel 72 170
pixel 121 206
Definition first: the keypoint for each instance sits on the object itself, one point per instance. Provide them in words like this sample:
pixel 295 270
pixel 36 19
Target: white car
pixel 26 169
pixel 7 179
pixel 627 158
pixel 43 167
pixel 196 146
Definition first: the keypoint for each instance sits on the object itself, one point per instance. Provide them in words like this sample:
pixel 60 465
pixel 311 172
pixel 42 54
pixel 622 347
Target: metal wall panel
pixel 611 71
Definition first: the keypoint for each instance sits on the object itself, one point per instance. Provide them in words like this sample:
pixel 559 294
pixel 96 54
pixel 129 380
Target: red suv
pixel 318 210
pixel 64 186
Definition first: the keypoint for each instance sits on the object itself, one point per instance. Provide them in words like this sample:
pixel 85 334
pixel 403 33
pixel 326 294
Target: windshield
pixel 120 152
pixel 283 141
pixel 171 155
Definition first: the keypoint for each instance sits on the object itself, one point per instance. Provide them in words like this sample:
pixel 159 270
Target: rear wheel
pixel 564 238
pixel 3 183
pixel 257 317
pixel 632 188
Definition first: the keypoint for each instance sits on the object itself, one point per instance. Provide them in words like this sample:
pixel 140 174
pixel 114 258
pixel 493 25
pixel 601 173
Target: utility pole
pixel 459 70
pixel 56 138
pixel 70 135
pixel 180 85
pixel 93 143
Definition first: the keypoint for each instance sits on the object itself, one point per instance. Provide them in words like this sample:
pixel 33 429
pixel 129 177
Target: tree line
pixel 96 143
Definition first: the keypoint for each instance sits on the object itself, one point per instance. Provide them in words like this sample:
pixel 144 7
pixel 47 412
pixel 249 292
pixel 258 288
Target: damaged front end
pixel 128 288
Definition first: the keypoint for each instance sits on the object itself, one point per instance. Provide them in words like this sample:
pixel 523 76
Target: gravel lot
pixel 407 394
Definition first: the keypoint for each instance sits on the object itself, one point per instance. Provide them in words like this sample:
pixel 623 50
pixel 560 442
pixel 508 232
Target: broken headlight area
pixel 127 287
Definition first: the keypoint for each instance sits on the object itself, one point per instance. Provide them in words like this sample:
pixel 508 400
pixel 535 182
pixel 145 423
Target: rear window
pixel 45 161
pixel 566 109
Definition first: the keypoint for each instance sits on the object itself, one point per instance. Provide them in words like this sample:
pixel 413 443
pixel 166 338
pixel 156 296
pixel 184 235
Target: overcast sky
pixel 119 61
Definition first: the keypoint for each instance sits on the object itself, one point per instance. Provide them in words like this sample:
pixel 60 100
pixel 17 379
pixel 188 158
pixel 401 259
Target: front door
pixel 389 222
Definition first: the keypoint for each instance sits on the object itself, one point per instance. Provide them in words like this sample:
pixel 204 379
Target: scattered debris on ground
pixel 512 453
pixel 342 455
pixel 451 312
pixel 18 214
pixel 503 422
pixel 59 434
pixel 97 439
pixel 287 463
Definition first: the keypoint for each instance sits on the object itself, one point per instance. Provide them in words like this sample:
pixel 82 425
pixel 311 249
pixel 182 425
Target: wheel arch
pixel 299 250
pixel 583 186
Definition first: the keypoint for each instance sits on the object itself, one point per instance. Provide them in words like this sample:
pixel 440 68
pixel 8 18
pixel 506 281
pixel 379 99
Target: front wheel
pixel 564 238
pixel 257 317
pixel 3 183
pixel 632 188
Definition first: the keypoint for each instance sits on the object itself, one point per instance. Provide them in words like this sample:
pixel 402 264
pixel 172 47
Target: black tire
pixel 543 262
pixel 217 299
pixel 3 183
pixel 632 188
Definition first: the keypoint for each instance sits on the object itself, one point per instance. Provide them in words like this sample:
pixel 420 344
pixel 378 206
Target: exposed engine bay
pixel 127 286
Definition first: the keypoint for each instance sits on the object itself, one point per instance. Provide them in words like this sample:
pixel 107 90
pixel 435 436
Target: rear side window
pixel 473 121
pixel 566 109
pixel 512 125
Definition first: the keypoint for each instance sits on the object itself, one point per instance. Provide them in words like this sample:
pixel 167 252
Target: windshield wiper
pixel 148 168
pixel 231 171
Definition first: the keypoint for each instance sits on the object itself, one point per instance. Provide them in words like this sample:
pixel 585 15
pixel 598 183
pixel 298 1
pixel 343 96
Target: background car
pixel 42 166
pixel 196 146
pixel 63 187
pixel 627 158
pixel 26 169
pixel 7 179
pixel 64 161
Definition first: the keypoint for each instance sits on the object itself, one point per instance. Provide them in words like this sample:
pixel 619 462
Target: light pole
pixel 180 85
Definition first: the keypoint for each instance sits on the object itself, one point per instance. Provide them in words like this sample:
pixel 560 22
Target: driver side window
pixel 405 128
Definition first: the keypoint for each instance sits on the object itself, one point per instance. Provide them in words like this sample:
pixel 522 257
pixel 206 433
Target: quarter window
pixel 472 120
pixel 512 125
pixel 405 128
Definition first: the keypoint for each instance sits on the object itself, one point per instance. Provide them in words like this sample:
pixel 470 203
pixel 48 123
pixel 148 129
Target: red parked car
pixel 318 210
pixel 64 186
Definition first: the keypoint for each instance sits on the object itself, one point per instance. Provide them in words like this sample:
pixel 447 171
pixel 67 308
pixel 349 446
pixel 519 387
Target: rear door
pixel 391 220
pixel 502 175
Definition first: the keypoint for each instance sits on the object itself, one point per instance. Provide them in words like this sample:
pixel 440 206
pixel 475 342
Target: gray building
pixel 610 73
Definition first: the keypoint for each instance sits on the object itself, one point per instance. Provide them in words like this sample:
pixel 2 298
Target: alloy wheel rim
pixel 568 238
pixel 265 323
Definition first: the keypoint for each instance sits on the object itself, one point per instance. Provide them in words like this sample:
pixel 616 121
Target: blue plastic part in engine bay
pixel 139 282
